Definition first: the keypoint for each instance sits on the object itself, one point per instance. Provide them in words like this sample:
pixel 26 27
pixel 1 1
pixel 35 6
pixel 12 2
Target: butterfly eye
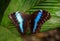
pixel 40 17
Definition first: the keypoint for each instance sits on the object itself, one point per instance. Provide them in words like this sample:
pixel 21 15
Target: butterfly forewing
pixel 37 19
pixel 20 20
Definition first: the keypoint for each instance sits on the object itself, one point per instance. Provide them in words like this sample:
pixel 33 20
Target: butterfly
pixel 34 21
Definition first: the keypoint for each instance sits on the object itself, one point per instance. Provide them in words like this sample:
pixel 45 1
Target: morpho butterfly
pixel 35 20
pixel 20 20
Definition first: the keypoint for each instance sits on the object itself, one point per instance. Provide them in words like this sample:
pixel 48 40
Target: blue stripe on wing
pixel 20 20
pixel 38 17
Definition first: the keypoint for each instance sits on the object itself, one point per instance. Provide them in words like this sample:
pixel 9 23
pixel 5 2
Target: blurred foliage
pixel 3 5
pixel 8 30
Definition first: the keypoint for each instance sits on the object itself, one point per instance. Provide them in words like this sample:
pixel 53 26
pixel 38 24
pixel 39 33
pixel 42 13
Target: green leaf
pixel 3 6
pixel 7 35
